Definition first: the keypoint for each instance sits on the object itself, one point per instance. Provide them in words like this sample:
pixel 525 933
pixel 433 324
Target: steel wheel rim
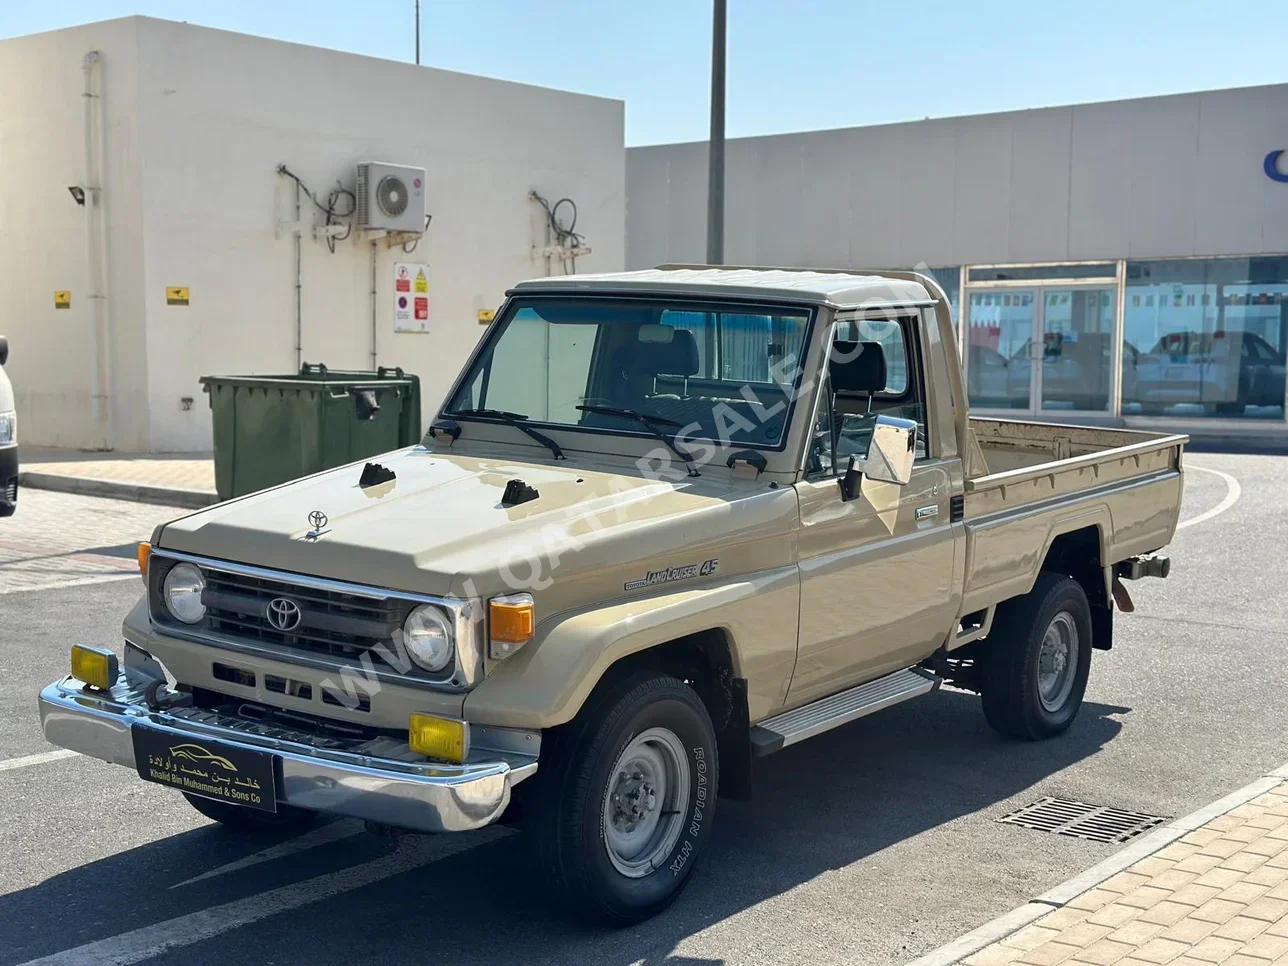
pixel 1058 661
pixel 645 802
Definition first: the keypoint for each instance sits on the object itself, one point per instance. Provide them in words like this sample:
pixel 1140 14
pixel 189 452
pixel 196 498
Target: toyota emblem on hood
pixel 317 519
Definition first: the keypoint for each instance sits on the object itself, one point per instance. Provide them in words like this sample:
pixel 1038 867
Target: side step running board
pixel 835 710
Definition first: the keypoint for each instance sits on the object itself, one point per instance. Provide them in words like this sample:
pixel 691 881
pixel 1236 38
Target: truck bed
pixel 1030 482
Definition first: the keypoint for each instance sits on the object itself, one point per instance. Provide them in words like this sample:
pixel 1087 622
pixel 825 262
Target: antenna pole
pixel 418 32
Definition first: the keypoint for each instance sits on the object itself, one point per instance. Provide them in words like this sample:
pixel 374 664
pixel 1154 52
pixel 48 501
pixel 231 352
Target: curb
pixel 1015 920
pixel 117 490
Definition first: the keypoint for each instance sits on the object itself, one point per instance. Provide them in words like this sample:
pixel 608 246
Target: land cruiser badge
pixel 668 574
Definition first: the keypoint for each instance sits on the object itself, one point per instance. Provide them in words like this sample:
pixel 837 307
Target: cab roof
pixel 842 290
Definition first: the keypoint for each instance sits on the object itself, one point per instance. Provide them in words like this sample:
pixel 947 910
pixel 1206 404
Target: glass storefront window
pixel 1205 337
pixel 1000 348
pixel 1042 272
pixel 1077 348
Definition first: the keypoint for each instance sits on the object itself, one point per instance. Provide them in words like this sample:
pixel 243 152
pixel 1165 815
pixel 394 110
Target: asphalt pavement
pixel 871 844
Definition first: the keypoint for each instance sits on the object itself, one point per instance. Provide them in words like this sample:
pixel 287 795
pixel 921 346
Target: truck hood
pixel 440 528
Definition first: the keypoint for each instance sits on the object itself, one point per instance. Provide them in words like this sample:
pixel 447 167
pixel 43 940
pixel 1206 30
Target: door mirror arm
pixel 851 481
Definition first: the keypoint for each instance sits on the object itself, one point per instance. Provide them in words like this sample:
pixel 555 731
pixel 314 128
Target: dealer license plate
pixel 206 768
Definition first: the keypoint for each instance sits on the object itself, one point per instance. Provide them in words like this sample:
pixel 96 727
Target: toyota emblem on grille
pixel 283 613
pixel 317 519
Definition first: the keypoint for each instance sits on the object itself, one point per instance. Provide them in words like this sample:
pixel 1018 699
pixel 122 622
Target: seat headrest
pixel 676 356
pixel 857 367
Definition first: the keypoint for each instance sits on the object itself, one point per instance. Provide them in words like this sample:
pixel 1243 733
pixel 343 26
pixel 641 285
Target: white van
pixel 8 439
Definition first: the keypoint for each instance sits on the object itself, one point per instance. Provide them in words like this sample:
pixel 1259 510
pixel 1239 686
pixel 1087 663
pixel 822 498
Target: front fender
pixel 547 682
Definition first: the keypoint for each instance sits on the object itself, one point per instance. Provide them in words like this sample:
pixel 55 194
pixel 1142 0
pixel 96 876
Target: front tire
pixel 240 818
pixel 1039 657
pixel 624 799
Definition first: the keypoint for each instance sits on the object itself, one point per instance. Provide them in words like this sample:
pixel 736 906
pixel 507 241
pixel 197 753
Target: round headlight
pixel 428 637
pixel 182 589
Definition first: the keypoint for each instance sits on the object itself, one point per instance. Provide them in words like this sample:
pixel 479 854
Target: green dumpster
pixel 270 429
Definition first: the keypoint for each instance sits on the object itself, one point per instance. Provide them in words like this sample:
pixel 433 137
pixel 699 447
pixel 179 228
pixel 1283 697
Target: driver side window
pixel 843 422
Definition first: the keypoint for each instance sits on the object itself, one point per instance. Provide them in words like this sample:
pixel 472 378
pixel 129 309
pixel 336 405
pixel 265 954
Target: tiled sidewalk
pixel 1218 895
pixel 181 479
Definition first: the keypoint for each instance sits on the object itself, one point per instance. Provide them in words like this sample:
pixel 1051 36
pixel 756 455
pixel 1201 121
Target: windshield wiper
pixel 651 423
pixel 515 420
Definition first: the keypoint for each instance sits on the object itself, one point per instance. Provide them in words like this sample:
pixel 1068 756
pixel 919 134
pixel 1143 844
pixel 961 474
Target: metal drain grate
pixel 1096 823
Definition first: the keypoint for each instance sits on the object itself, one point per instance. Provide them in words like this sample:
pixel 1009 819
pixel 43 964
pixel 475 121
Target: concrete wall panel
pixel 1149 178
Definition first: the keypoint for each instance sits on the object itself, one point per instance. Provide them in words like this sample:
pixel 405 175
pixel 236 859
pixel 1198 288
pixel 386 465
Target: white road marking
pixel 146 942
pixel 331 832
pixel 1232 493
pixel 72 582
pixel 39 759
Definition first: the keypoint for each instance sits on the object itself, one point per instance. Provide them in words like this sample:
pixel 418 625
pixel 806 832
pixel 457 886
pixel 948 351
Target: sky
pixel 793 65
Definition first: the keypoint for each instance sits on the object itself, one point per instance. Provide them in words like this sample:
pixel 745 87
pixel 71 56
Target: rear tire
pixel 240 818
pixel 624 798
pixel 1038 659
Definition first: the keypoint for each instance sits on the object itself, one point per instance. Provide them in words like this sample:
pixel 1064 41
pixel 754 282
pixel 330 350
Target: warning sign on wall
pixel 411 297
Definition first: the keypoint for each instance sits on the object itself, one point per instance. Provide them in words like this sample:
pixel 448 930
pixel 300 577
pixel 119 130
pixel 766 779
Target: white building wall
pixel 1147 178
pixel 203 118
pixel 43 244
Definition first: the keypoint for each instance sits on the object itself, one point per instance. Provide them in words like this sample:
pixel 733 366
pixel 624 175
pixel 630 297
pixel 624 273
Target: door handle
pixel 927 512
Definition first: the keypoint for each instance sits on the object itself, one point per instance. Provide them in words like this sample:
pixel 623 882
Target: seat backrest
pixel 657 355
pixel 857 368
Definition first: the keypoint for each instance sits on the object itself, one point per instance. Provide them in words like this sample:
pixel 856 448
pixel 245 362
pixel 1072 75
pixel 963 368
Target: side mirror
pixel 892 450
pixel 4 350
pixel 891 453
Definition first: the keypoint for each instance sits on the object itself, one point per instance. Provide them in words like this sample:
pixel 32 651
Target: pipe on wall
pixel 96 254
pixel 299 284
pixel 373 305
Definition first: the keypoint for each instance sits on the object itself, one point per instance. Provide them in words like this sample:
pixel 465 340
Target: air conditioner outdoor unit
pixel 390 197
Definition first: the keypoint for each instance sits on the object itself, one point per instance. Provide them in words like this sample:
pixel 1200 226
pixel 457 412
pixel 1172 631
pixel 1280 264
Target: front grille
pixel 333 625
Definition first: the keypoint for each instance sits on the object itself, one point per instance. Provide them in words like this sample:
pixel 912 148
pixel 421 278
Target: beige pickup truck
pixel 666 522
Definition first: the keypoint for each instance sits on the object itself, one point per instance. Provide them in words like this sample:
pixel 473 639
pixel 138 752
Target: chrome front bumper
pixel 405 791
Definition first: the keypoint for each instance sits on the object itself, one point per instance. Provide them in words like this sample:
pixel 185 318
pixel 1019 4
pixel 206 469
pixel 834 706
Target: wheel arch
pixel 1081 553
pixel 706 662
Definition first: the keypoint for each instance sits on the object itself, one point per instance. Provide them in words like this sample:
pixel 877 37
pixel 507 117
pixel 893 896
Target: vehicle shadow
pixel 822 805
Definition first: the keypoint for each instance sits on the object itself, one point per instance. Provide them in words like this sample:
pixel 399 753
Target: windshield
pixel 721 371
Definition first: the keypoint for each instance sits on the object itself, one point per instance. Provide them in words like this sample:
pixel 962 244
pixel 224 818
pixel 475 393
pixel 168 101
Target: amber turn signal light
pixel 144 552
pixel 511 623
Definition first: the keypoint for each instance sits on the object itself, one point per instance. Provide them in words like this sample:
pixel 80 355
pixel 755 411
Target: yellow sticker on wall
pixel 486 316
pixel 422 283
pixel 62 299
pixel 176 295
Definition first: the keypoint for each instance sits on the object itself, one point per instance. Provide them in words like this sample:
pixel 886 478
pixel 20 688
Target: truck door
pixel 877 572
